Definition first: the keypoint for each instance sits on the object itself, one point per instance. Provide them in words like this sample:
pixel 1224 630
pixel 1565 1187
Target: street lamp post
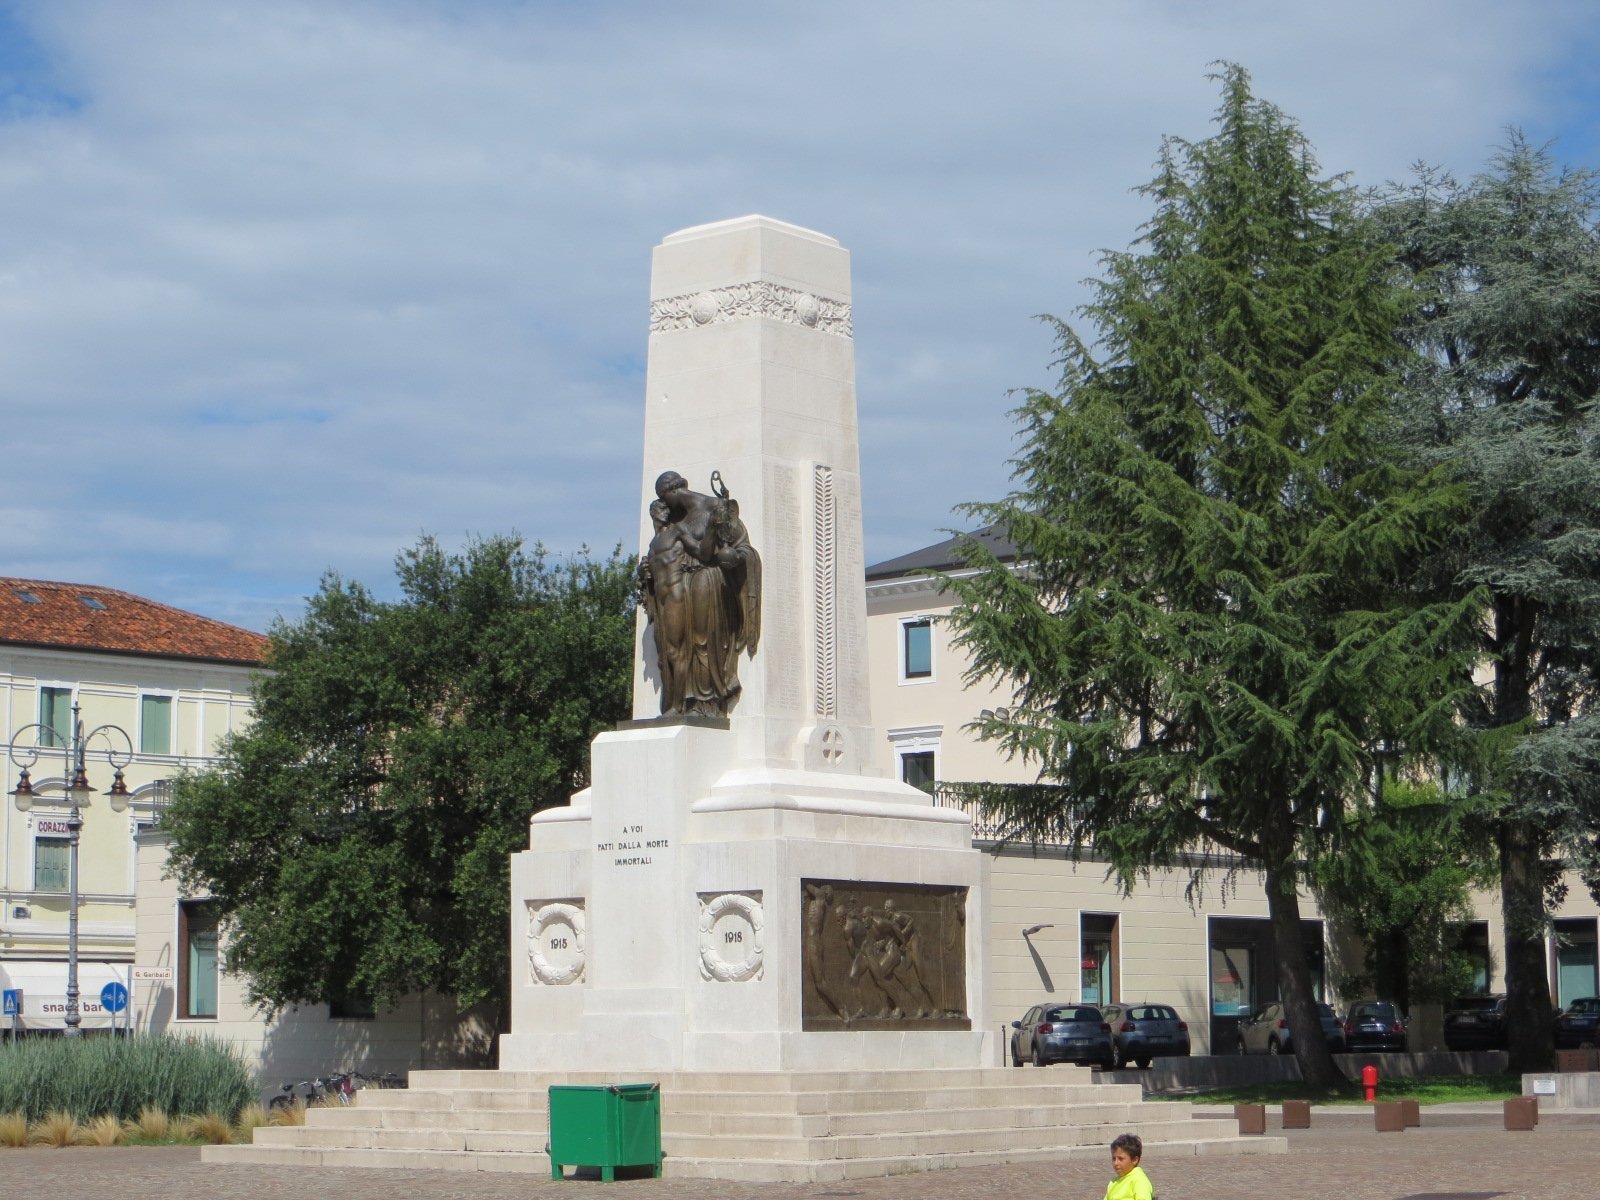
pixel 74 748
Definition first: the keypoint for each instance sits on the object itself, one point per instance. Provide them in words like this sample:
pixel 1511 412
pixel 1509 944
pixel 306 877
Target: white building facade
pixel 163 688
pixel 1063 930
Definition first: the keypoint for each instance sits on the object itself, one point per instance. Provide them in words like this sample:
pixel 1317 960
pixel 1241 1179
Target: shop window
pixel 197 952
pixel 1098 947
pixel 1575 959
pixel 1475 946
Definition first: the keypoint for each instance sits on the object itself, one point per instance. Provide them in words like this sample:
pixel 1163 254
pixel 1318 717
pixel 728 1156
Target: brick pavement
pixel 1335 1160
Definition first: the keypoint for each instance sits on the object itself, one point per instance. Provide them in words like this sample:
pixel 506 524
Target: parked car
pixel 1050 1033
pixel 1374 1025
pixel 1141 1032
pixel 1579 1024
pixel 1476 1023
pixel 1266 1031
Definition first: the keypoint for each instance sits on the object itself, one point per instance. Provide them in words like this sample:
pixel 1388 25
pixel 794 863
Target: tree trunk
pixel 1317 1067
pixel 1530 1038
pixel 1530 1033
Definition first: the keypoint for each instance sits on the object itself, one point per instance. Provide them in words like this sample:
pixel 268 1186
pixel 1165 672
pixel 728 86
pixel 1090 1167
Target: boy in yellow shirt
pixel 1131 1182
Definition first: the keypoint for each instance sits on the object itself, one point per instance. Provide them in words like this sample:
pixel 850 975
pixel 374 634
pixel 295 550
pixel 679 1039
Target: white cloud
pixel 283 285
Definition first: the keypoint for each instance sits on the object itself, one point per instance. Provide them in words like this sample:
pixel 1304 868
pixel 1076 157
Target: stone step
pixel 890 1121
pixel 754 1171
pixel 906 1144
pixel 728 1168
pixel 863 1100
pixel 788 1144
pixel 751 1081
pixel 738 1120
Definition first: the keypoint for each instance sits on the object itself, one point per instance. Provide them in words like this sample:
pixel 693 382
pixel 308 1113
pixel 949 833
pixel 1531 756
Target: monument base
pixel 687 914
pixel 785 1126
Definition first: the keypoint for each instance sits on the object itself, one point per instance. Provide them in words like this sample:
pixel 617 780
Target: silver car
pixel 1142 1032
pixel 1267 1030
pixel 1051 1033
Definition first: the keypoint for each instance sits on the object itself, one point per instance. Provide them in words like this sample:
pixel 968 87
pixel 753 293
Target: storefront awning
pixel 44 992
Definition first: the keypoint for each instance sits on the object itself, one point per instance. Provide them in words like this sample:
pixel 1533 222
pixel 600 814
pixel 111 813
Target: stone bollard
pixel 1388 1117
pixel 1297 1114
pixel 1412 1111
pixel 1522 1112
pixel 1252 1118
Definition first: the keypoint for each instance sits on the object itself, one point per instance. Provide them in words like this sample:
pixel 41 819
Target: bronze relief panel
pixel 883 956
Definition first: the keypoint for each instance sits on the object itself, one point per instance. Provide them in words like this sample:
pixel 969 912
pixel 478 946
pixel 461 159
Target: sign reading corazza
pixel 52 825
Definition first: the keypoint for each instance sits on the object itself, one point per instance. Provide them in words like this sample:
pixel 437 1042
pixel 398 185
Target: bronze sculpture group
pixel 700 580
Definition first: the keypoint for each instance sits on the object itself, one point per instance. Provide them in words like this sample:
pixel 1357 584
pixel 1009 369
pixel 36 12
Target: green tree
pixel 1505 394
pixel 357 835
pixel 1399 875
pixel 1211 642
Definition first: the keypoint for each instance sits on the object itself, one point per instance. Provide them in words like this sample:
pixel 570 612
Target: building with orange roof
pixel 157 689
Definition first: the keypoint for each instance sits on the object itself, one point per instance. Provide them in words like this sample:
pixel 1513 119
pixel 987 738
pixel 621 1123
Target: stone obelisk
pixel 739 892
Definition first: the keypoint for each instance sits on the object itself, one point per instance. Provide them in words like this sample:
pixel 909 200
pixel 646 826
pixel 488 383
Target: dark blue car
pixel 1579 1024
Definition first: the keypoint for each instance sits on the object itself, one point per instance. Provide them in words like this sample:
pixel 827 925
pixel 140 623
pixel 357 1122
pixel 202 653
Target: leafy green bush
pixel 93 1076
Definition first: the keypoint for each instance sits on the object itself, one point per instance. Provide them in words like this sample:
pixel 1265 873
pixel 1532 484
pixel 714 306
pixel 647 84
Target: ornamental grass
pixel 121 1077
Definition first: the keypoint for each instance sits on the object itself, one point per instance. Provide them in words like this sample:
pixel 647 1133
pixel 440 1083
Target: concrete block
pixel 1297 1114
pixel 1252 1118
pixel 1412 1111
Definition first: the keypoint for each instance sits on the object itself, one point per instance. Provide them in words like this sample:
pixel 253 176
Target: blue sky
pixel 284 286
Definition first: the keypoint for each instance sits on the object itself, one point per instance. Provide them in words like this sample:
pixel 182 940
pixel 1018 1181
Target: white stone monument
pixel 659 920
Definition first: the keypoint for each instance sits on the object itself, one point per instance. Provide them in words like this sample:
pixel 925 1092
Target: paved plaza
pixel 1454 1156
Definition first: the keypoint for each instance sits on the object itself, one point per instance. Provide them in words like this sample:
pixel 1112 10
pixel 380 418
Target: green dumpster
pixel 607 1126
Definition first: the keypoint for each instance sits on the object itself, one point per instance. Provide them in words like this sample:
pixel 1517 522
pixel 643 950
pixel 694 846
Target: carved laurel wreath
pixel 539 920
pixel 712 964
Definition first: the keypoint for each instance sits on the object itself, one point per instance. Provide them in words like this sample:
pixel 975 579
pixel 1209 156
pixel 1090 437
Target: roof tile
pixel 84 617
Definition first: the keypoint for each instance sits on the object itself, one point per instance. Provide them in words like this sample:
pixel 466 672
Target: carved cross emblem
pixel 832 745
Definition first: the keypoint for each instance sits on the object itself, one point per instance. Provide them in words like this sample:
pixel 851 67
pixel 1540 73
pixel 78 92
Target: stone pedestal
pixel 741 893
pixel 661 921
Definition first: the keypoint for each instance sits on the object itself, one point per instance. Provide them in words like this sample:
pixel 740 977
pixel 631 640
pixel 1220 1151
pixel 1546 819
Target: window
pixel 916 768
pixel 351 1008
pixel 52 862
pixel 916 756
pixel 197 954
pixel 55 714
pixel 155 724
pixel 916 649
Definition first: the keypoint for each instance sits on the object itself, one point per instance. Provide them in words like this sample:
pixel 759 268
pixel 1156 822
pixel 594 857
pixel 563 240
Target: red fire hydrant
pixel 1369 1081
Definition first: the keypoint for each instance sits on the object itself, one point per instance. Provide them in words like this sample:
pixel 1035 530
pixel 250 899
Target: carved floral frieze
pixel 759 299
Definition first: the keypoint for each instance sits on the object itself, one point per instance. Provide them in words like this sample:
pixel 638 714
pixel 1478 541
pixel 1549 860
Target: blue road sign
pixel 114 997
pixel 13 1002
